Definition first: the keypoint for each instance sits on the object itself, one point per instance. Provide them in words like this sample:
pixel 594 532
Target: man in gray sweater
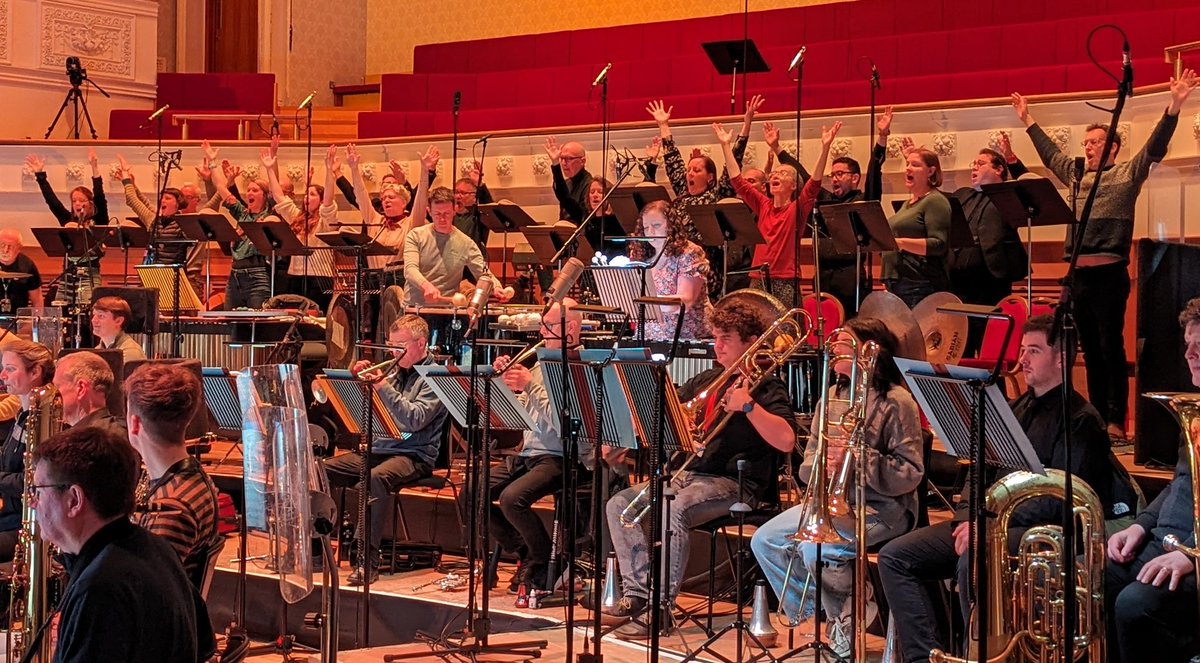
pixel 1150 593
pixel 1100 289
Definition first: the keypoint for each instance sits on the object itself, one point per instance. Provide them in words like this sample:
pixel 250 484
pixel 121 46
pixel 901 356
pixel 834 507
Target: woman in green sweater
pixel 922 230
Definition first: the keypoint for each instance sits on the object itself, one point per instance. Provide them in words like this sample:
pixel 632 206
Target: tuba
pixel 29 601
pixel 1186 408
pixel 1025 612
pixel 761 360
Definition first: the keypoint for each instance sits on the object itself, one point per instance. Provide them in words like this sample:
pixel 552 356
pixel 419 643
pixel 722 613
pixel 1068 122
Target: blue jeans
pixel 699 498
pixel 247 288
pixel 775 553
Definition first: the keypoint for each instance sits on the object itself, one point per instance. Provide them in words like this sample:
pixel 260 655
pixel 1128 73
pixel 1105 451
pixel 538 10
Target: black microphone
pixel 307 100
pixel 1126 70
pixel 798 60
pixel 457 101
pixel 484 139
pixel 875 77
pixel 158 113
pixel 1080 164
pixel 602 75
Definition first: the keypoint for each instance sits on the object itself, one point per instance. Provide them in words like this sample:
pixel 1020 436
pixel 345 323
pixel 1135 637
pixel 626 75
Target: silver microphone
pixel 571 270
pixel 307 100
pixel 798 60
pixel 483 291
pixel 602 75
pixel 158 113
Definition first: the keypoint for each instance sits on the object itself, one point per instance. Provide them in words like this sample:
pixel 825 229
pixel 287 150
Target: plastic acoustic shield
pixel 277 462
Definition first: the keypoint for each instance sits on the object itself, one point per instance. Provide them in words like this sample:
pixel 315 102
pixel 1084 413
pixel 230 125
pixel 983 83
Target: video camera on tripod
pixel 77 75
pixel 75 71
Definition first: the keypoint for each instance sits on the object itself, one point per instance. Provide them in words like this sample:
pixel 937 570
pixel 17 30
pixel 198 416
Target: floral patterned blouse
pixel 666 274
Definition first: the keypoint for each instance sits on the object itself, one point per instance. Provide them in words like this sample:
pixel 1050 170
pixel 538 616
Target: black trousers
pixel 388 474
pixel 912 568
pixel 516 485
pixel 840 281
pixel 1148 623
pixel 1100 295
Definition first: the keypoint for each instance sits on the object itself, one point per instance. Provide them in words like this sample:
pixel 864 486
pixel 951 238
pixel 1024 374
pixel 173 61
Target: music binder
pixel 345 394
pixel 452 385
pixel 582 365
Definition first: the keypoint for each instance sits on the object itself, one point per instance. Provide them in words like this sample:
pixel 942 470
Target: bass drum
pixel 391 308
pixel 341 331
pixel 768 307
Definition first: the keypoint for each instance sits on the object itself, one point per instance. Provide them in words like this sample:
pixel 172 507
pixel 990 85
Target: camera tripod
pixel 76 99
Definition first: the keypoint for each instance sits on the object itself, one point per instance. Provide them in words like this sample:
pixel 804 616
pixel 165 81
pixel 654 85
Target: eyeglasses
pixel 38 488
pixel 569 158
pixel 1092 141
pixel 840 173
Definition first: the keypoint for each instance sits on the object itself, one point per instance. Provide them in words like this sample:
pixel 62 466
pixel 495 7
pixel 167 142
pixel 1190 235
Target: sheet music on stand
pixel 618 418
pixel 345 393
pixel 619 287
pixel 162 278
pixel 220 396
pixel 452 385
pixel 638 379
pixel 945 395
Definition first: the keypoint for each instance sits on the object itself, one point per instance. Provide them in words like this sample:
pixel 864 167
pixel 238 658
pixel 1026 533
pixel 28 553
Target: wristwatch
pixel 748 408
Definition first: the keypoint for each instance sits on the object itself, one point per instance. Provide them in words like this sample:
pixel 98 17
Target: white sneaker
pixel 840 632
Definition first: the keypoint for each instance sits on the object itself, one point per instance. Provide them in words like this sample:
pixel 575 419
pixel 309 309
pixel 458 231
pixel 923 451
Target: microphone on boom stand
pixel 1126 70
pixel 798 60
pixel 571 270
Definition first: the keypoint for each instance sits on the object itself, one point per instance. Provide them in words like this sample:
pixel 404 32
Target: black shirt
pixel 12 474
pixel 129 601
pixel 739 439
pixel 18 290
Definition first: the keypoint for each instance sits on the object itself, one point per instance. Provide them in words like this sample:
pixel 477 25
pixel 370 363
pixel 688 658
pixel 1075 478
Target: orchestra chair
pixel 831 311
pixel 993 339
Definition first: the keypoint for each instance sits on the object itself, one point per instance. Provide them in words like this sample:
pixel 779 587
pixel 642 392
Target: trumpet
pixel 766 355
pixel 521 356
pixel 385 367
pixel 388 366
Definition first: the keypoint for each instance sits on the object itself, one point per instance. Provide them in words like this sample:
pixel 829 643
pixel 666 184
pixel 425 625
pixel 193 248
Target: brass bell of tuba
pixel 1186 409
pixel 1025 592
pixel 28 606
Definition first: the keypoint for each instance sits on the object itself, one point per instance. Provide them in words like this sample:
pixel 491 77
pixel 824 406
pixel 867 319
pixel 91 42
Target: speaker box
pixel 143 304
pixel 1168 277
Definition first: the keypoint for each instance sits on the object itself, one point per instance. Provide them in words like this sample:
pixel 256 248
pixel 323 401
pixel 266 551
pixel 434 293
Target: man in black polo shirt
pixel 22 292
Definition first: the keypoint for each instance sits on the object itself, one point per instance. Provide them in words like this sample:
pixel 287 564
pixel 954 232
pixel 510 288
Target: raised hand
pixel 275 145
pixel 474 174
pixel 92 159
pixel 653 149
pixel 907 145
pixel 397 171
pixel 1005 147
pixel 35 163
pixel 828 134
pixel 352 157
pixel 660 113
pixel 429 160
pixel 752 107
pixel 771 136
pixel 884 124
pixel 553 150
pixel 331 158
pixel 123 170
pixel 231 171
pixel 204 170
pixel 210 152
pixel 267 158
pixel 1021 106
pixel 722 134
pixel 1180 89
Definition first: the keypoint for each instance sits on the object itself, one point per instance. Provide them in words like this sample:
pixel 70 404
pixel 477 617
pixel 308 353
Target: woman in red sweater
pixel 777 214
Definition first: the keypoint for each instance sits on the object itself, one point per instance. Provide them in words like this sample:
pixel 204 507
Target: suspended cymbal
pixel 14 275
pixel 897 317
pixel 945 335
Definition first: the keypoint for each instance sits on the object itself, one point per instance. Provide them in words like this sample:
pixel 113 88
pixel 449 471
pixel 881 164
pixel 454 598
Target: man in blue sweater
pixel 1151 593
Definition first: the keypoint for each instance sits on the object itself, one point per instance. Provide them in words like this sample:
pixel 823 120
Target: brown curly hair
pixel 1190 314
pixel 677 235
pixel 738 317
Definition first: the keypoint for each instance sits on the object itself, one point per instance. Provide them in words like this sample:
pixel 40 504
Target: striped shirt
pixel 181 507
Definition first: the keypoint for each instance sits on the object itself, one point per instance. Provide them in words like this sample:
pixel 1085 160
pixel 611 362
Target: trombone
pixel 387 368
pixel 784 338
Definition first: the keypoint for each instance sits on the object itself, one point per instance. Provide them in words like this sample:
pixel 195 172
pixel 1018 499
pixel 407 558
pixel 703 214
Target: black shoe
pixel 637 628
pixel 517 579
pixel 626 607
pixel 535 575
pixel 355 579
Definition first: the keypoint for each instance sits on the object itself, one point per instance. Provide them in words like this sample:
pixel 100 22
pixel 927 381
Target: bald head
pixel 757 177
pixel 552 324
pixel 10 245
pixel 572 158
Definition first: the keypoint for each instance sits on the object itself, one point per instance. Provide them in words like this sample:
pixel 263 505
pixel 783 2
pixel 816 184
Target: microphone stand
pixel 454 141
pixel 799 230
pixel 873 79
pixel 307 185
pixel 1067 336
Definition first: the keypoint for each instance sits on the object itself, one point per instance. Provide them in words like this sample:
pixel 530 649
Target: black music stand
pixel 547 240
pixel 274 238
pixel 220 397
pixel 1028 203
pixel 726 224
pixel 858 228
pixel 360 245
pixel 624 288
pixel 208 227
pixel 627 202
pixel 730 58
pixel 67 243
pixel 126 237
pixel 504 217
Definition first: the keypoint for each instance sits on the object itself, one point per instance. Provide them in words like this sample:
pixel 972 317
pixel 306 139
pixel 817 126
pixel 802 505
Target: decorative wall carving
pixel 945 143
pixel 5 31
pixel 1061 137
pixel 841 147
pixel 103 40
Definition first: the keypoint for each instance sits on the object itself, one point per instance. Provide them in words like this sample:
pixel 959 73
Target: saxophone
pixel 29 601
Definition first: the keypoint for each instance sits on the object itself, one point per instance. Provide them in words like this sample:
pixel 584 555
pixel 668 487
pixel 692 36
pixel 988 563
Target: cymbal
pixel 896 316
pixel 14 275
pixel 945 334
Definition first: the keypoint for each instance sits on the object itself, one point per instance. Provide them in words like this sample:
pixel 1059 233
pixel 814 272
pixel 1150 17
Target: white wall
pixel 116 40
